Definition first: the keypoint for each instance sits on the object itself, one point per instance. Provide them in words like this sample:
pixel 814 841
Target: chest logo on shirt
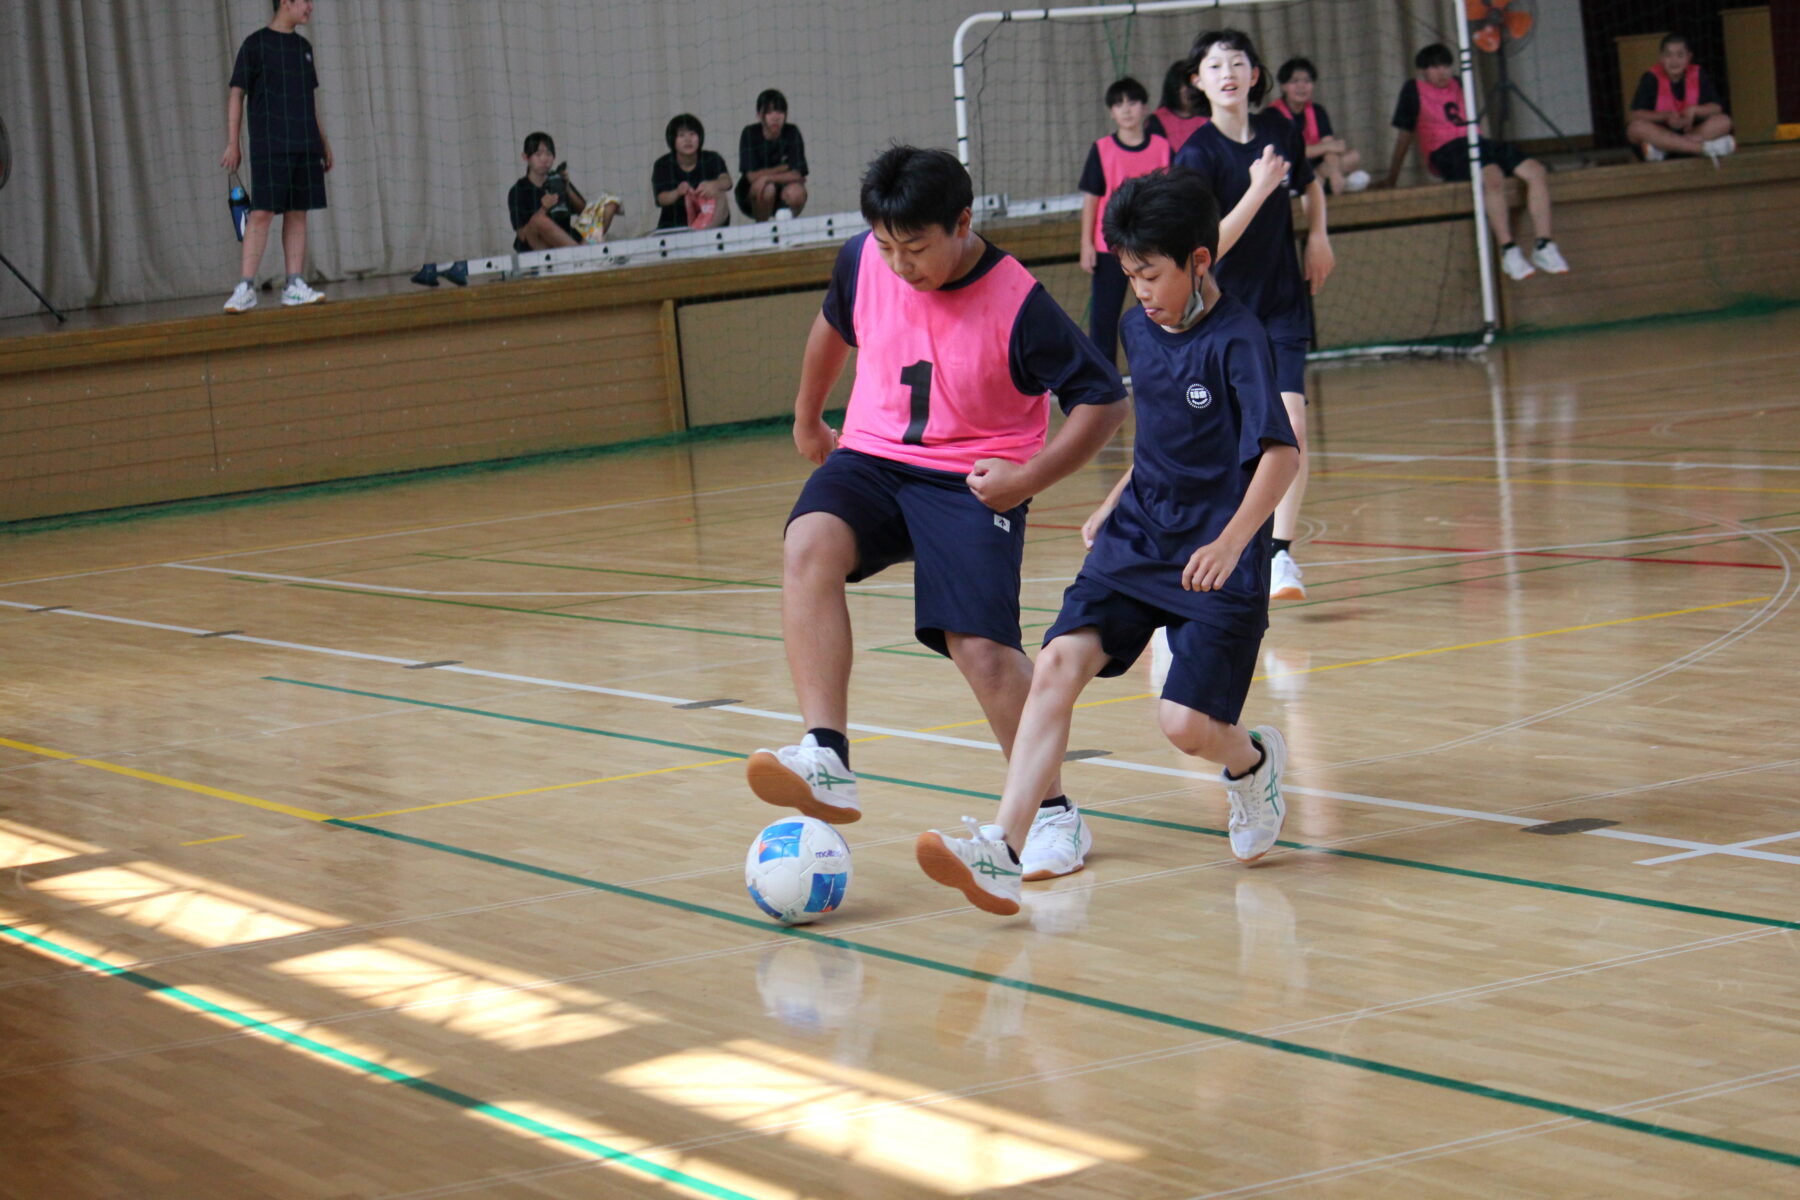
pixel 1198 396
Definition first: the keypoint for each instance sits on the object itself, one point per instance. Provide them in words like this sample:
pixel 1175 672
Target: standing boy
pixel 942 448
pixel 275 80
pixel 1182 542
pixel 1430 108
pixel 1130 150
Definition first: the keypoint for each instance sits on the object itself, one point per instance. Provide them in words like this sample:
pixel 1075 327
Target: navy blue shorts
pixel 1212 667
pixel 1290 365
pixel 966 555
pixel 1451 160
pixel 287 182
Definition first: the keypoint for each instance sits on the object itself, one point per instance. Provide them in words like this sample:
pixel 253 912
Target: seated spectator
pixel 771 161
pixel 1676 109
pixel 543 204
pixel 1183 108
pixel 1332 158
pixel 690 180
pixel 1430 108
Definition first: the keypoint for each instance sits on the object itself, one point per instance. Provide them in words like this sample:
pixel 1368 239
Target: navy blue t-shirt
pixel 1263 268
pixel 1206 400
pixel 1046 353
pixel 275 71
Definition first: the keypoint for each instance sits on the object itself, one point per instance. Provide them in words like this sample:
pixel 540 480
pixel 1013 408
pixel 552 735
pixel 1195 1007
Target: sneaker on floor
pixel 1516 265
pixel 1548 258
pixel 298 293
pixel 1654 153
pixel 1356 181
pixel 243 299
pixel 1285 580
pixel 809 777
pixel 1719 147
pixel 1057 844
pixel 1257 809
pixel 979 866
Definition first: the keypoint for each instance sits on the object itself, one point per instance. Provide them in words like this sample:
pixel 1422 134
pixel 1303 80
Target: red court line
pixel 1685 562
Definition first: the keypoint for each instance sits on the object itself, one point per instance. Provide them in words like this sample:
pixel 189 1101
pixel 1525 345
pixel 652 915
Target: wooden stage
pixel 172 401
pixel 389 842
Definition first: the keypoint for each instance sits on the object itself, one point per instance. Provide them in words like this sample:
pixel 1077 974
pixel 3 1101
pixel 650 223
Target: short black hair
pixel 1435 55
pixel 1296 64
pixel 770 99
pixel 909 189
pixel 1126 88
pixel 1175 81
pixel 1231 39
pixel 1170 212
pixel 683 121
pixel 1670 39
pixel 540 138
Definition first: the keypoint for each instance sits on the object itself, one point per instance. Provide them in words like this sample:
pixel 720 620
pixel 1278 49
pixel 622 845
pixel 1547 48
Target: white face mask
pixel 1196 305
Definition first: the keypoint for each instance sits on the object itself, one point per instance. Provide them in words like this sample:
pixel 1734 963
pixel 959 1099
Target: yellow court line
pixel 1659 487
pixel 209 841
pixel 217 793
pixel 552 787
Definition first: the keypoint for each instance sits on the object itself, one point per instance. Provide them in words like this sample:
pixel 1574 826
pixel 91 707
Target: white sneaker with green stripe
pixel 1057 844
pixel 1257 809
pixel 809 777
pixel 980 866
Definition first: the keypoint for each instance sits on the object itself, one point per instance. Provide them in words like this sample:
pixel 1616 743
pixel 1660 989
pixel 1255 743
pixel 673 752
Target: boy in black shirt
pixel 274 80
pixel 1676 109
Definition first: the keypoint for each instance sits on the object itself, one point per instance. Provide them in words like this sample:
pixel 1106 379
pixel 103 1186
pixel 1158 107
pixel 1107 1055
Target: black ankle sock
pixel 1055 802
pixel 1012 854
pixel 831 739
pixel 1542 242
pixel 1262 756
pixel 1281 544
pixel 1508 246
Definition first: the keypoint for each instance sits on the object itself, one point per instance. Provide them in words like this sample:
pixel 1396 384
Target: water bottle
pixel 239 200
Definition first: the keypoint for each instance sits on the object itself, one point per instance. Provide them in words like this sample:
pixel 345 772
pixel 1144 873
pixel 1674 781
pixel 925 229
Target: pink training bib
pixel 934 383
pixel 1119 164
pixel 1665 88
pixel 1312 119
pixel 1440 116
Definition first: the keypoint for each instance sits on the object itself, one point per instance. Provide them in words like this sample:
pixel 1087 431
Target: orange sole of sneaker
pixel 775 784
pixel 1040 876
pixel 941 863
pixel 1289 594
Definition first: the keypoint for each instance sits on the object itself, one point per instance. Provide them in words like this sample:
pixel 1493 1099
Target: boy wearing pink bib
pixel 1430 110
pixel 1128 152
pixel 943 446
pixel 1676 109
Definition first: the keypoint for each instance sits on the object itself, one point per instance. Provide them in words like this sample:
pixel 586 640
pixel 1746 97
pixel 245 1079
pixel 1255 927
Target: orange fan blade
pixel 1475 10
pixel 1488 39
pixel 1518 24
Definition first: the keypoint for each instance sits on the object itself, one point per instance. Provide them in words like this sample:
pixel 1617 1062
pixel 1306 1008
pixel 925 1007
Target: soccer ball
pixel 797 870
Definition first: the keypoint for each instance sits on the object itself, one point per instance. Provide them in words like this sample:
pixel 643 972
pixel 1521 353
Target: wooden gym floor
pixel 389 842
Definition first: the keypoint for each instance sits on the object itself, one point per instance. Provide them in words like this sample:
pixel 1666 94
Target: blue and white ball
pixel 798 869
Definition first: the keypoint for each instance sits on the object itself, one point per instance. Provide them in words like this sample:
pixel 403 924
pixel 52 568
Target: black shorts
pixel 287 182
pixel 1212 667
pixel 1290 365
pixel 966 555
pixel 1450 161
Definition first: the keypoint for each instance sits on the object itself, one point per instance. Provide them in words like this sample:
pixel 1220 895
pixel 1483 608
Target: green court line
pixel 549 566
pixel 531 612
pixel 605 733
pixel 1098 814
pixel 374 1069
pixel 1114 1007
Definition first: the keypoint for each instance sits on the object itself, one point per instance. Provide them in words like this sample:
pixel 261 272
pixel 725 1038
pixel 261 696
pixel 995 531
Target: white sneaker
pixel 1548 258
pixel 1654 153
pixel 1516 265
pixel 808 777
pixel 243 298
pixel 298 293
pixel 979 865
pixel 1356 181
pixel 1257 809
pixel 1285 579
pixel 1719 147
pixel 1057 844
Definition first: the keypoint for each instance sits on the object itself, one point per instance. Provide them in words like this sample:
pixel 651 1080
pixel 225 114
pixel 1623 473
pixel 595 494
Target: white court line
pixel 1116 764
pixel 1669 858
pixel 1474 459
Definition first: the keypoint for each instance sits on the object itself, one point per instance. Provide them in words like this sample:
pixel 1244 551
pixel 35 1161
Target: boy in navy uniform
pixel 944 444
pixel 1183 542
pixel 275 80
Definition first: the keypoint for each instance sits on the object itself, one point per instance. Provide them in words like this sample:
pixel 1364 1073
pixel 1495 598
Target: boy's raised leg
pixel 817 553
